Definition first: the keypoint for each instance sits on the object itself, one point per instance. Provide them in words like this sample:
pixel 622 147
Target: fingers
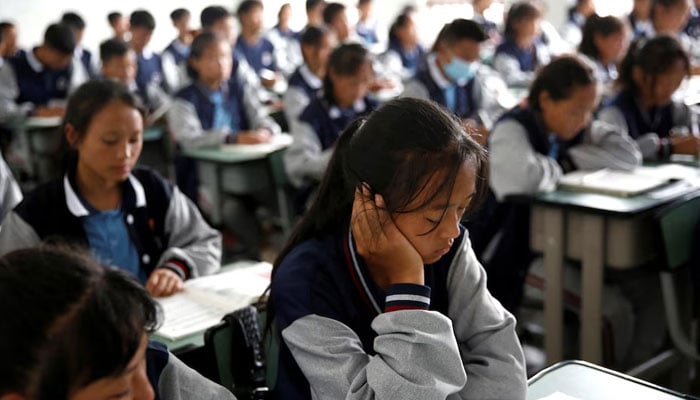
pixel 164 282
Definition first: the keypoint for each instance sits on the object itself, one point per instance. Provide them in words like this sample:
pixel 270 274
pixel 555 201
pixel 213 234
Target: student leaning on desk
pixel 75 330
pixel 129 218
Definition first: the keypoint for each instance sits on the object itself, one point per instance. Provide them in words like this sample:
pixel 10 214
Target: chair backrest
pixel 677 224
pixel 236 346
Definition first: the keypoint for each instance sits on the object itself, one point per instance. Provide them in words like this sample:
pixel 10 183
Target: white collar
pixel 78 52
pixel 314 81
pixel 78 209
pixel 180 47
pixel 436 74
pixel 34 62
pixel 359 106
pixel 147 53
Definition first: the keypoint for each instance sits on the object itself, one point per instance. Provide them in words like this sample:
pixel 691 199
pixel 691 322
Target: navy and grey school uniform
pixel 171 379
pixel 84 67
pixel 692 28
pixel 651 129
pixel 303 86
pixel 153 96
pixel 10 193
pixel 260 55
pixel 367 30
pixel 287 49
pixel 344 337
pixel 25 83
pixel 517 66
pixel 155 226
pixel 639 28
pixel 149 69
pixel 476 98
pixel 314 133
pixel 401 62
pixel 174 64
pixel 571 32
pixel 525 158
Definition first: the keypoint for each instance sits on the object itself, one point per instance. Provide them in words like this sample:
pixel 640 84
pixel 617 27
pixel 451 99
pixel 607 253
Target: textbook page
pixel 611 182
pixel 558 396
pixel 205 300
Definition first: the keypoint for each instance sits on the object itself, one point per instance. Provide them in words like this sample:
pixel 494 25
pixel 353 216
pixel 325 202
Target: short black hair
pixel 331 11
pixel 363 2
pixel 598 26
pixel 61 38
pixel 247 6
pixel 142 19
pixel 113 17
pixel 178 14
pixel 113 48
pixel 6 24
pixel 311 4
pixel 312 35
pixel 520 11
pixel 461 29
pixel 211 14
pixel 73 20
pixel 559 78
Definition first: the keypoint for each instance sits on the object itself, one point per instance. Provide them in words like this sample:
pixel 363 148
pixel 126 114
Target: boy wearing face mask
pixel 452 76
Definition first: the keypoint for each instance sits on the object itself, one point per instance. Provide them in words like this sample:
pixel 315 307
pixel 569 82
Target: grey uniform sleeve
pixel 648 143
pixel 256 113
pixel 179 382
pixel 304 158
pixel 171 71
pixel 489 89
pixel 514 166
pixel 295 101
pixel 415 89
pixel 16 233
pixel 184 123
pixel 10 193
pixel 416 357
pixel 509 69
pixel 191 239
pixel 606 146
pixel 485 331
pixel 9 91
pixel 157 97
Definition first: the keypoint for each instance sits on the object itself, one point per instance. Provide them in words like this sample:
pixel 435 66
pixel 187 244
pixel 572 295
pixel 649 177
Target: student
pixel 307 80
pixel 530 147
pixel 119 64
pixel 521 52
pixel 669 17
pixel 578 14
pixel 377 294
pixel 83 63
pixel 603 44
pixel 174 57
pixel 37 82
pixel 149 68
pixel 336 19
pixel 639 19
pixel 649 75
pixel 452 77
pixel 404 53
pixel 286 41
pixel 367 25
pixel 129 217
pixel 490 27
pixel 343 98
pixel 219 108
pixel 9 35
pixel 314 12
pixel 257 50
pixel 119 25
pixel 86 340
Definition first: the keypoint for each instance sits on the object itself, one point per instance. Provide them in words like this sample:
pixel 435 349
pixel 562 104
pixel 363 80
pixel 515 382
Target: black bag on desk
pixel 236 346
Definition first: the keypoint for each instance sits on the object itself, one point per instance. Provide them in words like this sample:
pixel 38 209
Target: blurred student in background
pixel 174 57
pixel 119 24
pixel 603 44
pixel 404 53
pixel 573 28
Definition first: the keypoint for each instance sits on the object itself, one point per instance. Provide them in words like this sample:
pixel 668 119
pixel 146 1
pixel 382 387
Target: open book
pixel 612 182
pixel 205 300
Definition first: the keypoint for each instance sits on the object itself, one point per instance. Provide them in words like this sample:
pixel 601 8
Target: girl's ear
pixel 72 136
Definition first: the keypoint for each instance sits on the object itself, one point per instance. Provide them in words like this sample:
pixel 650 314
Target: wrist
pixel 407 296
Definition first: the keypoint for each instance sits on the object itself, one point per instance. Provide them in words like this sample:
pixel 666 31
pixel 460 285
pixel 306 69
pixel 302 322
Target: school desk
pixel 241 169
pixel 36 140
pixel 579 380
pixel 581 226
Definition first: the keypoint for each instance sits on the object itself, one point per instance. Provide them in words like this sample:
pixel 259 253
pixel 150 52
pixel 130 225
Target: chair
pixel 677 223
pixel 235 344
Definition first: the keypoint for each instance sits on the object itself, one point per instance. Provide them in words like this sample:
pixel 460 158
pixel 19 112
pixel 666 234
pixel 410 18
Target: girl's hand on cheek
pixel 390 257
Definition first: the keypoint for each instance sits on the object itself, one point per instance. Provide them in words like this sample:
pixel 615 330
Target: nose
pixel 449 227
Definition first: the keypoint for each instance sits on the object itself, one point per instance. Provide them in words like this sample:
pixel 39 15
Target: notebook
pixel 205 300
pixel 612 182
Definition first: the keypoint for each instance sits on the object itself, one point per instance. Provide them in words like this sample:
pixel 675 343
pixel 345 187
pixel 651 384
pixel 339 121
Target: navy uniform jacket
pixel 39 87
pixel 260 55
pixel 149 69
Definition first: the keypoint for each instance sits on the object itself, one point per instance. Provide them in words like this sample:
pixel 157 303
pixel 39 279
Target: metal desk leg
pixel 553 269
pixel 592 288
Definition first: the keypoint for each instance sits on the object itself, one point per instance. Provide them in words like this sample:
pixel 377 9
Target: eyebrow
pixel 442 206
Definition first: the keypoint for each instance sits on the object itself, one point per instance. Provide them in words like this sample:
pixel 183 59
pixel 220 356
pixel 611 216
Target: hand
pixel 253 137
pixel 164 282
pixel 476 130
pixel 390 257
pixel 48 112
pixel 685 144
pixel 381 84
